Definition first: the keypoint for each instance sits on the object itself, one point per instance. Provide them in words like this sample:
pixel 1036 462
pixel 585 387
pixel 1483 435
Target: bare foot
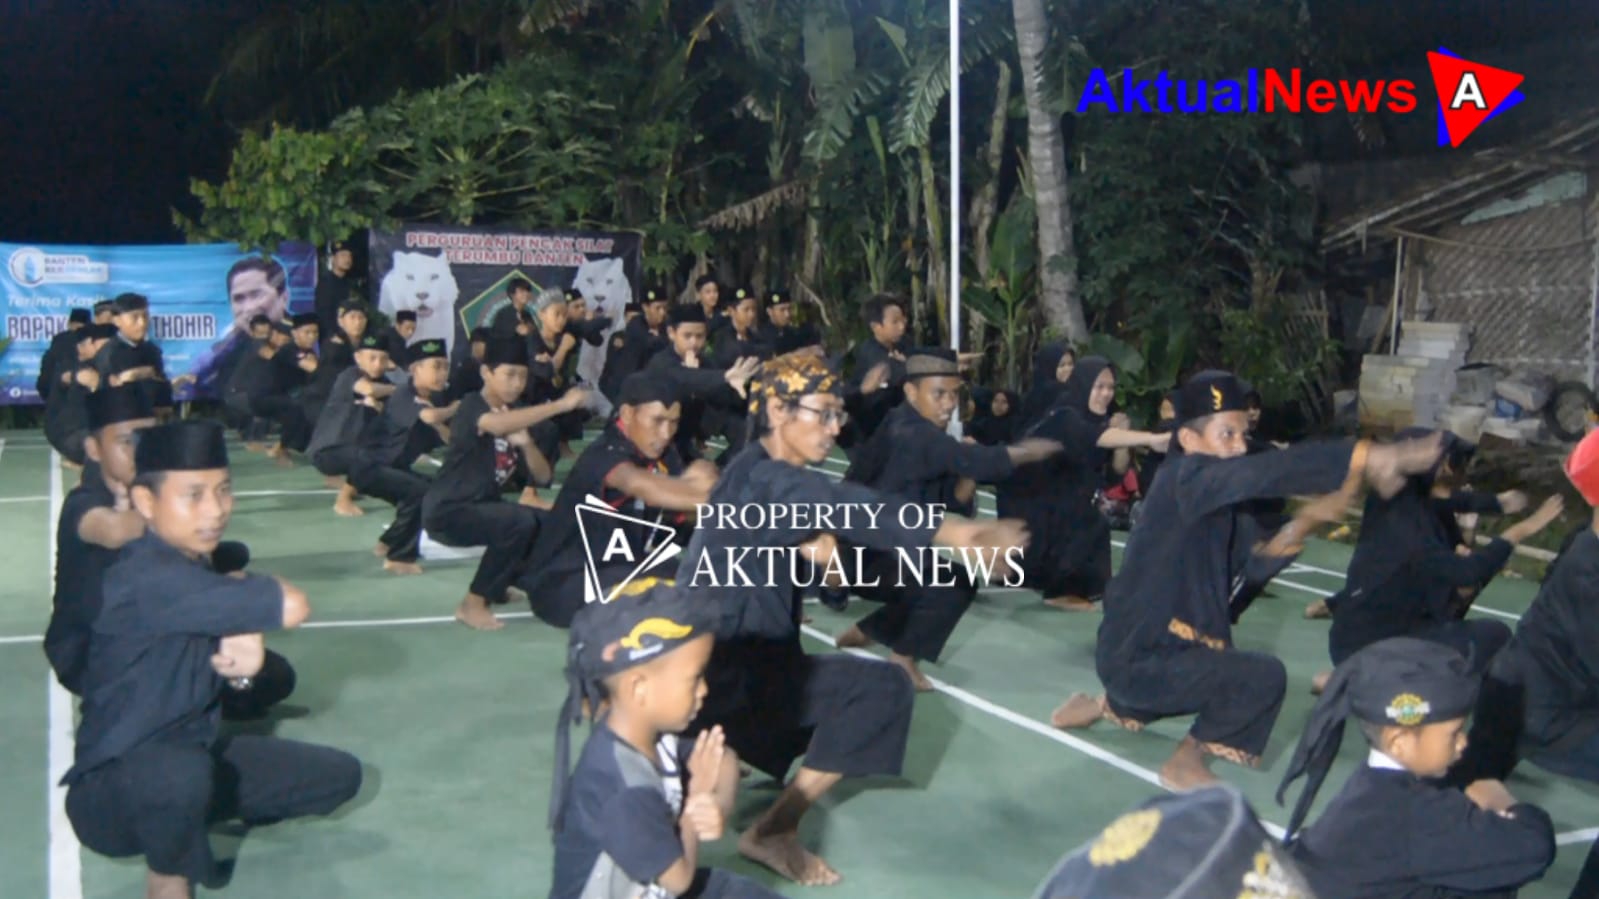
pixel 280 455
pixel 783 853
pixel 1319 682
pixel 530 497
pixel 854 638
pixel 256 447
pixel 348 509
pixel 474 613
pixel 1081 710
pixel 1072 604
pixel 401 567
pixel 380 550
pixel 908 664
pixel 1318 609
pixel 1186 769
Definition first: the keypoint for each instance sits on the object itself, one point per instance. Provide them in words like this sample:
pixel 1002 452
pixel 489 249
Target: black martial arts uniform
pixel 544 385
pixel 704 391
pixel 555 572
pixel 1069 552
pixel 1392 835
pixel 79 568
pixel 336 356
pixel 846 715
pixel 344 416
pixel 136 355
pixel 911 458
pixel 66 417
pixel 868 410
pixel 63 348
pixel 731 419
pixel 987 428
pixel 332 292
pixel 1258 521
pixel 463 505
pixel 507 318
pixel 152 770
pixel 1405 575
pixel 639 346
pixel 380 466
pixel 1165 646
pixel 269 385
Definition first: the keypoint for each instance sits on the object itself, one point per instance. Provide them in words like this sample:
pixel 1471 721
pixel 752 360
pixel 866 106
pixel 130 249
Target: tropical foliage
pixel 803 143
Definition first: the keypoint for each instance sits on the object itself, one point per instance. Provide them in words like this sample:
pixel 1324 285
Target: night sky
pixel 106 120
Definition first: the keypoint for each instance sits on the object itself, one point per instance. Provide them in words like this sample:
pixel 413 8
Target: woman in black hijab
pixel 1052 368
pixel 1068 560
pixel 994 423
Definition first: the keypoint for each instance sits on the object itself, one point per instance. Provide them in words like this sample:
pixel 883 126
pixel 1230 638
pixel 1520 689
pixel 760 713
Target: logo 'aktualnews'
pixel 1469 93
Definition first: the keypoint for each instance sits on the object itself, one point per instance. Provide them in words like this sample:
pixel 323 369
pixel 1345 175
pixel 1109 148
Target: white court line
pixel 66 865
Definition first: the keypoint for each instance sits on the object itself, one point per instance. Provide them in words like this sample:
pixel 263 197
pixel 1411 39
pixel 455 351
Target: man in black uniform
pixel 633 468
pixel 886 318
pixel 1165 648
pixel 1395 830
pixel 398 335
pixel 912 456
pixel 415 419
pixel 466 375
pixel 131 315
pixel 152 770
pixel 463 505
pixel 740 340
pixel 848 716
pixel 333 289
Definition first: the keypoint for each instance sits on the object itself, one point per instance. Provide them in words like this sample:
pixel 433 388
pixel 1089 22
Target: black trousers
pixel 1257 572
pixel 289 415
pixel 1236 694
pixel 914 621
pixel 845 714
pixel 333 461
pixel 158 799
pixel 404 489
pixel 504 530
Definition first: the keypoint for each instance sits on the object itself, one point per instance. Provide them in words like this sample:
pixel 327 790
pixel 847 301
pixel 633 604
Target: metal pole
pixel 1399 276
pixel 954 277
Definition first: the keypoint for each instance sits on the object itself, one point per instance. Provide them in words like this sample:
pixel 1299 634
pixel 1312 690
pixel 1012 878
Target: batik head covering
pixel 790 377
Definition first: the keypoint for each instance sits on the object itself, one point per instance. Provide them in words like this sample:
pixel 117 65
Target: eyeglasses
pixel 828 417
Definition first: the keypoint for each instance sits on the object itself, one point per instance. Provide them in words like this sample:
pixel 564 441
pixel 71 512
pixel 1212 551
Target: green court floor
pixel 455 728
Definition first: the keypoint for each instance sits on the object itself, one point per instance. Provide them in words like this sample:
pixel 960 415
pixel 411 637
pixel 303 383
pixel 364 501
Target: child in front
pixel 626 821
pixel 1395 830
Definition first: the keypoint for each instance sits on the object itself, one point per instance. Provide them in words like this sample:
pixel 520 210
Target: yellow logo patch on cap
pixel 1408 709
pixel 1124 838
pixel 1216 398
pixel 660 628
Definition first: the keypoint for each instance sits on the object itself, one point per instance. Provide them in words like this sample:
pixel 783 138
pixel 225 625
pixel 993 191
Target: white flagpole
pixel 954 277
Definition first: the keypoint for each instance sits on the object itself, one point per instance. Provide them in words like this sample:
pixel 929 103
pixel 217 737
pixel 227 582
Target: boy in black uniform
pixel 336 354
pixel 513 319
pixel 398 336
pixel 1165 647
pixel 632 467
pixel 779 317
pixel 708 293
pixel 698 387
pixel 630 819
pixel 333 288
pixel 642 338
pixel 848 716
pixel 131 315
pixel 293 365
pixel 415 419
pixel 463 505
pixel 549 347
pixel 61 347
pixel 913 456
pixel 740 340
pixel 886 318
pixel 151 769
pixel 358 394
pixel 65 413
pixel 104 312
pixel 1394 830
pixel 96 521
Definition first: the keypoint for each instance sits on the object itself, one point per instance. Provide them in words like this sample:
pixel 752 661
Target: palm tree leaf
pixel 759 208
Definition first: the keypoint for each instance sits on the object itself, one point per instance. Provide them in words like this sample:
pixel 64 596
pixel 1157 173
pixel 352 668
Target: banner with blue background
pixel 202 297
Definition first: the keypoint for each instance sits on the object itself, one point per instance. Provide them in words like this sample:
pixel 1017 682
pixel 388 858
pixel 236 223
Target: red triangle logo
pixel 1468 92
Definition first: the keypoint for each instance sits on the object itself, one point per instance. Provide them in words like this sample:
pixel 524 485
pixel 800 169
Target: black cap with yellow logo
pixel 643 621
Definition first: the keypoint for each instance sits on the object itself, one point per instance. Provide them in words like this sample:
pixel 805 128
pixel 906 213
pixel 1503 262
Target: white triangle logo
pixel 594 513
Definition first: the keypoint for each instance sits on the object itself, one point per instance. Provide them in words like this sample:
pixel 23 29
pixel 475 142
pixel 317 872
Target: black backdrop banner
pixel 454 278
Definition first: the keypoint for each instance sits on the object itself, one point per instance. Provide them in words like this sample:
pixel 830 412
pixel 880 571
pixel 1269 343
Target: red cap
pixel 1582 468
